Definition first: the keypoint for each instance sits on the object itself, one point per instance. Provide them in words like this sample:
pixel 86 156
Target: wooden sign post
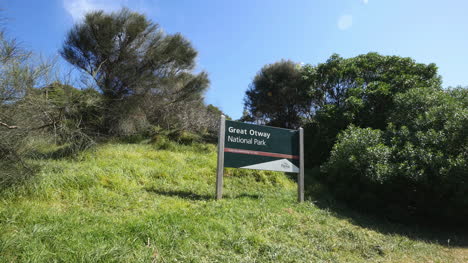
pixel 250 146
pixel 220 170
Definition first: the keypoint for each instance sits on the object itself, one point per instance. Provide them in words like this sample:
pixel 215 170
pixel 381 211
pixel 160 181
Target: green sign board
pixel 261 147
pixel 250 146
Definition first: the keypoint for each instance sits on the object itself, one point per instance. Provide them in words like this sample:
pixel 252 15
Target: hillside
pixel 142 203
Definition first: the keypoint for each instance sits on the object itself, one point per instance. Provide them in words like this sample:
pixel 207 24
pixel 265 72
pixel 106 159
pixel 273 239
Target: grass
pixel 143 203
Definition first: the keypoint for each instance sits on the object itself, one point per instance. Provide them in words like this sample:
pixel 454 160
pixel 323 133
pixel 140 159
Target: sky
pixel 236 38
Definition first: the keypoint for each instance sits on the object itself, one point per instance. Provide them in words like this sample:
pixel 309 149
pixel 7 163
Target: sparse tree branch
pixel 8 126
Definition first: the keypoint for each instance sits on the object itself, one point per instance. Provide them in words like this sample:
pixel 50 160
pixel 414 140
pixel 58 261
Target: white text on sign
pixel 249 132
pixel 246 141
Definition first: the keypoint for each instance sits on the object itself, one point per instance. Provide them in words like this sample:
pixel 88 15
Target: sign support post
pixel 220 170
pixel 300 181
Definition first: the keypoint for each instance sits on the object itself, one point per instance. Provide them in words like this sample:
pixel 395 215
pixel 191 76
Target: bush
pixel 163 143
pixel 359 152
pixel 359 91
pixel 191 116
pixel 359 166
pixel 417 167
pixel 184 137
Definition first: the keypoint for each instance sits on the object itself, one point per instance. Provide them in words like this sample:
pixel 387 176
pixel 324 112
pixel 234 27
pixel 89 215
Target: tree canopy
pixel 127 54
pixel 417 166
pixel 277 96
pixel 359 91
pixel 135 65
pixel 363 87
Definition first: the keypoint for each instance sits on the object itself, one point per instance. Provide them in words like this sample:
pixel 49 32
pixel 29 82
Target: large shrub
pixel 277 96
pixel 358 91
pixel 140 70
pixel 416 167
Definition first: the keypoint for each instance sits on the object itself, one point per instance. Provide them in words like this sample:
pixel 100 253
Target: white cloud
pixel 365 2
pixel 345 22
pixel 78 8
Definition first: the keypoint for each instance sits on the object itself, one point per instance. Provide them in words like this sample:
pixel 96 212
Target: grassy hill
pixel 144 203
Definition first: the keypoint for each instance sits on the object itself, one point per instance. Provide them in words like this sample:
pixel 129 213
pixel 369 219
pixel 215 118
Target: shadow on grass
pixel 60 153
pixel 180 194
pixel 16 173
pixel 56 152
pixel 292 176
pixel 447 235
pixel 197 197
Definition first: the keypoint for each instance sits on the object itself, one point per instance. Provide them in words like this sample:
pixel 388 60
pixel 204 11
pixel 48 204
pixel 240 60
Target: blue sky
pixel 235 38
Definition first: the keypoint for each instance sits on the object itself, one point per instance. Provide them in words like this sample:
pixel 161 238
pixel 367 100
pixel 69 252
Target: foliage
pixel 277 96
pixel 35 107
pixel 418 166
pixel 140 70
pixel 73 116
pixel 215 111
pixel 359 156
pixel 359 168
pixel 358 91
pixel 191 116
pixel 136 203
pixel 77 107
pixel 20 114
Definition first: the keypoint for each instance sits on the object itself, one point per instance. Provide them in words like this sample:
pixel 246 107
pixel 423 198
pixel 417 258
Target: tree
pixel 358 91
pixel 133 63
pixel 365 85
pixel 22 115
pixel 277 96
pixel 417 166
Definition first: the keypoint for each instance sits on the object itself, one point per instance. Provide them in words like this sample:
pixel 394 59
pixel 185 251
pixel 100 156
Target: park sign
pixel 250 146
pixel 261 147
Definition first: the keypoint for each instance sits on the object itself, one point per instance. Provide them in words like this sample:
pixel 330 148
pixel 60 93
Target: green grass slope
pixel 141 203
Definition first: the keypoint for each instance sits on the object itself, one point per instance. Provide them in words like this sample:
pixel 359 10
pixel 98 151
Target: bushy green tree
pixel 358 91
pixel 134 64
pixel 215 111
pixel 277 96
pixel 417 166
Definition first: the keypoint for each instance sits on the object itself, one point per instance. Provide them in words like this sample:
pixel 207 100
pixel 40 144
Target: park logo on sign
pixel 250 146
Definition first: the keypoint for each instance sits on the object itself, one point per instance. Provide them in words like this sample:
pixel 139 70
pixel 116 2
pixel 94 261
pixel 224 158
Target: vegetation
pixel 387 137
pixel 142 83
pixel 358 91
pixel 277 96
pixel 416 167
pixel 22 115
pixel 144 75
pixel 140 203
pixel 123 170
